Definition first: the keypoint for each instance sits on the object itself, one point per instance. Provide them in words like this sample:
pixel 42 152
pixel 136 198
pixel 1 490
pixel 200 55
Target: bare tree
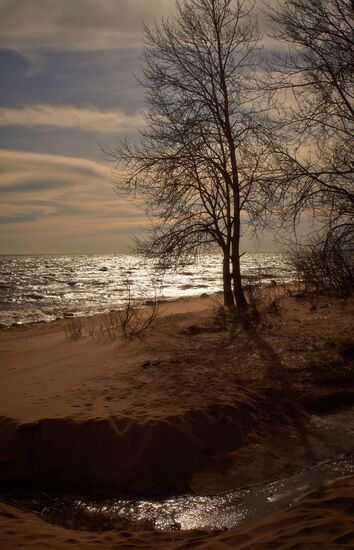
pixel 198 162
pixel 314 166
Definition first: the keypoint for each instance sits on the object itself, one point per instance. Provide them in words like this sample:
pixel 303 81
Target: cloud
pixel 69 117
pixel 82 24
pixel 52 203
pixel 19 166
pixel 40 185
pixel 17 219
pixel 59 184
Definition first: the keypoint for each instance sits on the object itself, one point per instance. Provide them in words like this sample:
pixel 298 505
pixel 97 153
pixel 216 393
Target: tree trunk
pixel 228 295
pixel 238 289
pixel 239 295
pixel 235 257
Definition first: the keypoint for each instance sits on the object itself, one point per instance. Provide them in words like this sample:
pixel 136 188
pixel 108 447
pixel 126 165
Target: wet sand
pixel 197 406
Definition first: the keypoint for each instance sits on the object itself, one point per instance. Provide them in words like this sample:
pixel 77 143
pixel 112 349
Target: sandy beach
pixel 196 406
pixel 176 275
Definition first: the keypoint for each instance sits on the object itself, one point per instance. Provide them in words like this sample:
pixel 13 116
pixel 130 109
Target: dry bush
pixel 137 316
pixel 325 266
pixel 109 325
pixel 264 307
pixel 132 321
pixel 264 300
pixel 221 314
pixel 73 329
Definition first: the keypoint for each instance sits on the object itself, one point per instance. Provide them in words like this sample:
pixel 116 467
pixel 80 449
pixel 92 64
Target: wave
pixel 90 284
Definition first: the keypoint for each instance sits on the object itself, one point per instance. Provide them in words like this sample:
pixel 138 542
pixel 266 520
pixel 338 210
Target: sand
pixel 196 405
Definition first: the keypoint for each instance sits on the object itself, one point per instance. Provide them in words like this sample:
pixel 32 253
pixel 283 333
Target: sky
pixel 68 89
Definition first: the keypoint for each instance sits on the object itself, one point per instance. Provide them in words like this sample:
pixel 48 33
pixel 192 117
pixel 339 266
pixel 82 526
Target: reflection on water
pixel 189 511
pixel 186 512
pixel 224 511
pixel 42 288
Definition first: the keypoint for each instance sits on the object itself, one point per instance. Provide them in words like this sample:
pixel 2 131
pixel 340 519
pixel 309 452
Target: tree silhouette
pixel 199 161
pixel 314 166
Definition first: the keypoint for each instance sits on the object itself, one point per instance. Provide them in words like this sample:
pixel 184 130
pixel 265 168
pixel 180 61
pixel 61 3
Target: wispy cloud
pixel 51 202
pixel 22 166
pixel 69 117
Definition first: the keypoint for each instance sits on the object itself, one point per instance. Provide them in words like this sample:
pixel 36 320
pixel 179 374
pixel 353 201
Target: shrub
pixel 73 329
pixel 325 265
pixel 132 321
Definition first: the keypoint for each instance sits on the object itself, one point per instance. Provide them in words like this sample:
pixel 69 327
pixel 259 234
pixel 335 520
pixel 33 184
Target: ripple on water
pixel 187 512
pixel 92 283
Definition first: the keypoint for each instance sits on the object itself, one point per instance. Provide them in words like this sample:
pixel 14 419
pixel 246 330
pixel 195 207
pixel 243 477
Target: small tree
pixel 314 153
pixel 198 163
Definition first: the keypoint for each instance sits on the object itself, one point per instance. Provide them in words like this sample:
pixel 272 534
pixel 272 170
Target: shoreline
pixel 67 284
pixel 160 301
pixel 67 315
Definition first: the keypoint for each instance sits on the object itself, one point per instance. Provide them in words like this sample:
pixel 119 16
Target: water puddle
pixel 187 511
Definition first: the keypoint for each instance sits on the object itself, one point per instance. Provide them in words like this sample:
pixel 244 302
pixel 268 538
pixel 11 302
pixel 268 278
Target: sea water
pixel 45 287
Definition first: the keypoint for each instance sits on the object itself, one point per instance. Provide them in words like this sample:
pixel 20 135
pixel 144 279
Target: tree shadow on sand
pixel 277 383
